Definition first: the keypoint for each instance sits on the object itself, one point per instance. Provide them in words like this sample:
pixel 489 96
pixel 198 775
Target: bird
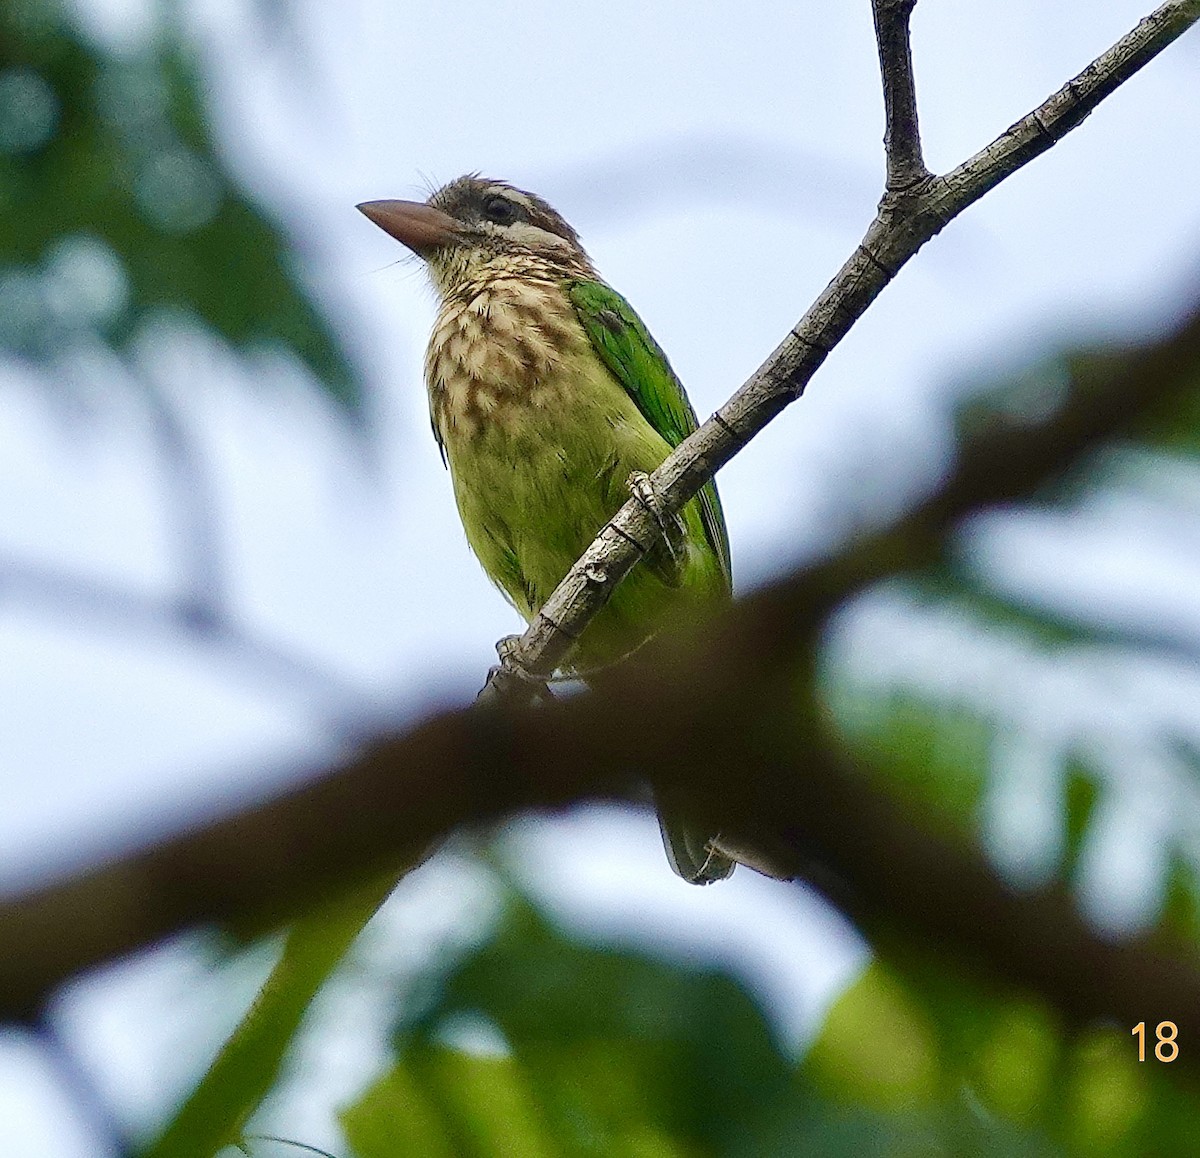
pixel 550 402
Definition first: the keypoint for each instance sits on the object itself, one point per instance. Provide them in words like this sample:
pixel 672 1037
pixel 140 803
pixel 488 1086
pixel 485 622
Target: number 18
pixel 1166 1049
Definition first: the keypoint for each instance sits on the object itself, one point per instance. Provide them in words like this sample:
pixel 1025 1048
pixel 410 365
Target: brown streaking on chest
pixel 499 347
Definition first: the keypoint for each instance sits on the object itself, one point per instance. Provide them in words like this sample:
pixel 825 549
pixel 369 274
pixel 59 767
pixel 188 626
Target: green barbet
pixel 550 401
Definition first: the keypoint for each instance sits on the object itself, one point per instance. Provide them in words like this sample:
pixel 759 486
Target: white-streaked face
pixel 504 228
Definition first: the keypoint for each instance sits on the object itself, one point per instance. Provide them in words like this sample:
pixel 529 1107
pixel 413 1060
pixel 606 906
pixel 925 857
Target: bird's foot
pixel 510 678
pixel 507 647
pixel 642 489
pixel 670 524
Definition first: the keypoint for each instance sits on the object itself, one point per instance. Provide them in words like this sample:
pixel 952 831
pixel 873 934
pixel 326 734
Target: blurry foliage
pixel 116 205
pixel 535 1043
pixel 937 759
pixel 1023 1085
pixel 934 738
pixel 937 734
pixel 589 1051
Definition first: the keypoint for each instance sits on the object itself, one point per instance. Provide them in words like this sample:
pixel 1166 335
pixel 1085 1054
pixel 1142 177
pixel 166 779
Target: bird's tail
pixel 692 855
pixel 693 851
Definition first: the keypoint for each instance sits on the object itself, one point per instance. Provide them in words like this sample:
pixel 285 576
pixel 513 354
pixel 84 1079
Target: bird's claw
pixel 508 648
pixel 642 489
pixel 670 524
pixel 510 668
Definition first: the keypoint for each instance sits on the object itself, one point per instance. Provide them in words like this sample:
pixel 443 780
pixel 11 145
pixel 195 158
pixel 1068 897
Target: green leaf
pixel 877 1047
pixel 1083 794
pixel 677 1043
pixel 397 1115
pixel 1107 1096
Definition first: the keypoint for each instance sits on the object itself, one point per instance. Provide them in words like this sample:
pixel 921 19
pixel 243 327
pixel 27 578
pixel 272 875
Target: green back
pixel 636 361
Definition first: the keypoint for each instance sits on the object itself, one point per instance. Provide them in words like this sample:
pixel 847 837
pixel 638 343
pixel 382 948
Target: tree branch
pixel 688 711
pixel 902 137
pixel 899 230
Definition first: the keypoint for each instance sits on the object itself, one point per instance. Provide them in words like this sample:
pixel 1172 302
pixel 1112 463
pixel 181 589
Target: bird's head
pixel 474 228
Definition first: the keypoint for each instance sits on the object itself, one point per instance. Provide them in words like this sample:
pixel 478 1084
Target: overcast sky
pixel 720 161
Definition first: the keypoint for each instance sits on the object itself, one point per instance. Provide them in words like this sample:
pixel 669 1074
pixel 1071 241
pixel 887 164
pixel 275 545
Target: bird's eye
pixel 501 210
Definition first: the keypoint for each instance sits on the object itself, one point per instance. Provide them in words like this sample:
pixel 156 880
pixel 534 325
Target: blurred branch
pixel 691 709
pixel 88 1101
pixel 193 504
pixel 905 221
pixel 110 605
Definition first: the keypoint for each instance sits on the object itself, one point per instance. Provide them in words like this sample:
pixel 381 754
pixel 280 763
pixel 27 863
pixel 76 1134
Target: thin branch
pixel 686 712
pixel 902 226
pixel 902 137
pixel 194 522
pixel 289 1142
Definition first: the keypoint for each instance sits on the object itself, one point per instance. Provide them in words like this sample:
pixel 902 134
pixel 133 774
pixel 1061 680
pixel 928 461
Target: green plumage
pixel 636 360
pixel 547 394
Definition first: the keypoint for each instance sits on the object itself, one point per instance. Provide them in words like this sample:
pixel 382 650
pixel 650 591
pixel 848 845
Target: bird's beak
pixel 419 226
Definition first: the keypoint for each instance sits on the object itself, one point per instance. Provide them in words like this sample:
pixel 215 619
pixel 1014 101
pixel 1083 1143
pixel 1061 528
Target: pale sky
pixel 720 161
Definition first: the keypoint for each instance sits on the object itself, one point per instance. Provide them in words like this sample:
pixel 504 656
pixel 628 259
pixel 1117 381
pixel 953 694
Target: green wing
pixel 636 360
